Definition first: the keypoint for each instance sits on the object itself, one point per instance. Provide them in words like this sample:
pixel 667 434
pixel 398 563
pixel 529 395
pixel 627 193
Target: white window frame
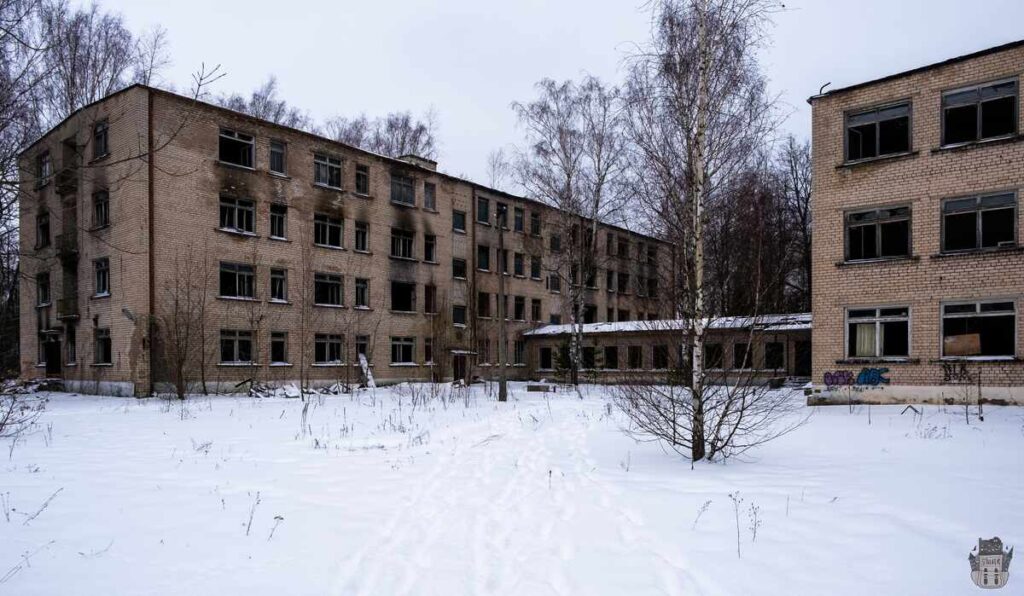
pixel 977 313
pixel 878 319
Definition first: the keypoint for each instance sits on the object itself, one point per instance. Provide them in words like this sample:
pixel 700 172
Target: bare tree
pixel 394 135
pixel 152 57
pixel 793 170
pixel 499 169
pixel 181 337
pixel 264 103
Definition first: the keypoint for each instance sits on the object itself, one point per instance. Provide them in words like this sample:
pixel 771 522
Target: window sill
pixel 44 305
pixel 235 166
pixel 237 299
pixel 878 361
pixel 237 364
pixel 404 364
pixel 362 195
pixel 282 302
pixel 232 232
pixel 71 365
pixel 329 247
pixel 872 160
pixel 456 277
pixel 431 263
pixel 280 364
pixel 100 364
pixel 280 175
pixel 404 205
pixel 1013 138
pixel 884 260
pixel 429 210
pixel 327 364
pixel 365 308
pixel 100 158
pixel 329 305
pixel 278 239
pixel 978 252
pixel 459 325
pixel 99 296
pixel 408 259
pixel 327 187
pixel 99 228
pixel 483 270
pixel 362 252
pixel 456 231
pixel 403 312
pixel 996 359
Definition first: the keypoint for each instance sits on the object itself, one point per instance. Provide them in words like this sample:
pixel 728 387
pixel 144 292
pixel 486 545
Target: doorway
pixel 458 367
pixel 802 364
pixel 51 349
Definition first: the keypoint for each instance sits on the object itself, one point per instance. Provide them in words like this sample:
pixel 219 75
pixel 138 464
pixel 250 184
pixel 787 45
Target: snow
pixel 391 492
pixel 788 322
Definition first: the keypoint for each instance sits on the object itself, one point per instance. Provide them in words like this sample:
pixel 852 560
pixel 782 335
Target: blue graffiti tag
pixel 867 376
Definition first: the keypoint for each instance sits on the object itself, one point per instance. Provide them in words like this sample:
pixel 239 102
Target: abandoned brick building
pixel 917 265
pixel 162 230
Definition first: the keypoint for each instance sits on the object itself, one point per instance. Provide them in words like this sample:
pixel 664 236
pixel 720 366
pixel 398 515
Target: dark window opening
pixel 362 243
pixel 980 113
pixel 235 346
pixel 879 233
pixel 278 221
pixel 279 285
pixel 459 268
pixel 236 148
pixel 518 219
pixel 277 157
pixel 775 355
pixel 483 304
pixel 362 293
pixel 327 289
pixel 611 357
pixel 403 350
pixel 546 361
pixel 878 132
pixel 362 179
pixel 278 347
pixel 429 196
pixel 237 215
pixel 483 210
pixel 635 357
pixel 459 221
pixel 430 299
pixel 878 332
pixel 100 209
pixel 483 258
pixel 327 230
pixel 589 357
pixel 535 224
pixel 519 308
pixel 100 139
pixel 458 314
pixel 403 190
pixel 403 296
pixel 979 329
pixel 535 267
pixel 326 171
pixel 589 313
pixel 742 356
pixel 327 348
pixel 237 280
pixel 714 356
pixel 660 357
pixel 979 222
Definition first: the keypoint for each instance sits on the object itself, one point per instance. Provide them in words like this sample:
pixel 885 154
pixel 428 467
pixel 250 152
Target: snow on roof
pixel 787 322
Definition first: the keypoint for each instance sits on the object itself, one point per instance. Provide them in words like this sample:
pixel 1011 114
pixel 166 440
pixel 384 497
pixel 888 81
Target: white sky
pixel 469 59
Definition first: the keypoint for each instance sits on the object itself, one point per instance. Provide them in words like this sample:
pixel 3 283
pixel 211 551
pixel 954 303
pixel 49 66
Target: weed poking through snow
pixel 736 500
pixel 700 512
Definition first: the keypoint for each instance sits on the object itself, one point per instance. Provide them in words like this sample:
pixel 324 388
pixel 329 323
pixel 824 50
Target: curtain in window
pixel 866 340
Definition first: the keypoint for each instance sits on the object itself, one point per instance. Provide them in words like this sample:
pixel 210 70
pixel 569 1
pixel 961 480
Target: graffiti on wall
pixel 956 373
pixel 871 377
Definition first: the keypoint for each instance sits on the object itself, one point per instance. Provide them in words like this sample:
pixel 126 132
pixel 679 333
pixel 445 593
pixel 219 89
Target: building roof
pixel 1000 48
pixel 784 322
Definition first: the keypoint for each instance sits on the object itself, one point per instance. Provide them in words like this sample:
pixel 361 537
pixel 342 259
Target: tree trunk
pixel 502 314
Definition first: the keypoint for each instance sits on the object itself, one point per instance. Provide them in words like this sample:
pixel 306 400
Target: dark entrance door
pixel 51 348
pixel 458 367
pixel 802 364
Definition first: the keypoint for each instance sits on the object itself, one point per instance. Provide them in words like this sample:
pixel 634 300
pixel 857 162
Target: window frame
pixel 237 136
pixel 279 278
pixel 405 185
pixel 456 215
pixel 279 212
pixel 236 337
pixel 362 294
pixel 278 337
pixel 878 319
pixel 328 223
pixel 102 346
pixel 429 248
pixel 411 287
pixel 486 250
pixel 329 165
pixel 362 180
pixel 403 244
pixel 978 120
pixel 847 115
pixel 336 281
pixel 237 209
pixel 101 130
pixel 361 230
pixel 240 271
pixel 101 277
pixel 877 223
pixel 429 196
pixel 329 343
pixel 978 229
pixel 100 206
pixel 283 151
pixel 403 343
pixel 459 308
pixel 977 313
pixel 483 211
pixel 40 277
pixel 455 270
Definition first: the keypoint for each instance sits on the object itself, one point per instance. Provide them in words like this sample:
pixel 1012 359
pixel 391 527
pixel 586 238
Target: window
pixel 502 260
pixel 278 221
pixel 660 357
pixel 652 287
pixel 401 243
pixel 235 346
pixel 362 236
pixel 609 244
pixel 518 267
pixel 878 132
pixel 43 230
pixel 71 344
pixel 623 314
pixel 459 314
pixel 101 268
pixel 519 352
pixel 589 357
pixel 483 304
pixel 362 179
pixel 278 347
pixel 42 289
pixel 546 361
pixel 609 315
pixel 277 157
pixel 327 230
pixel 483 350
pixel 327 289
pixel 501 214
pixel 554 282
pixel 611 357
pixel 237 280
pixel 975 223
pixel 609 280
pixel 403 350
pixel 519 308
pixel 403 190
pixel 100 139
pixel 623 282
pixel 519 219
pixel 535 308
pixel 589 313
pixel 429 248
pixel 535 268
pixel 985 329
pixel 742 356
pixel 483 257
pixel 236 148
pixel 775 355
pixel 983 112
pixel 556 243
pixel 555 319
pixel 430 299
pixel 363 346
pixel 327 348
pixel 714 356
pixel 635 357
pixel 459 268
pixel 279 285
pixel 483 210
pixel 403 296
pixel 878 234
pixel 237 215
pixel 103 352
pixel 326 170
pixel 430 196
pixel 623 247
pixel 362 293
pixel 459 221
pixel 44 168
pixel 878 332
pixel 534 224
pixel 428 350
pixel 652 255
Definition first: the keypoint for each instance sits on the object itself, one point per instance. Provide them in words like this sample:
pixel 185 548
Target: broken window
pixel 277 157
pixel 237 215
pixel 326 170
pixel 430 299
pixel 635 357
pixel 235 346
pixel 279 285
pixel 979 113
pixel 236 148
pixel 878 234
pixel 327 348
pixel 483 210
pixel 535 268
pixel 327 230
pixel 403 189
pixel 611 357
pixel 403 350
pixel 502 215
pixel 878 332
pixel 236 280
pixel 483 304
pixel 589 357
pixel 714 356
pixel 278 347
pixel 775 355
pixel 535 308
pixel 100 139
pixel 459 268
pixel 652 255
pixel 483 257
pixel 518 267
pixel 554 282
pixel 327 289
pixel 459 221
pixel 102 278
pixel 430 248
pixel 979 222
pixel 430 196
pixel 458 314
pixel 546 361
pixel 878 132
pixel 518 221
pixel 742 356
pixel 362 236
pixel 100 209
pixel 979 329
pixel 278 221
pixel 42 289
pixel 589 313
pixel 534 224
pixel 660 357
pixel 362 293
pixel 362 179
pixel 519 308
pixel 43 230
pixel 403 296
pixel 401 243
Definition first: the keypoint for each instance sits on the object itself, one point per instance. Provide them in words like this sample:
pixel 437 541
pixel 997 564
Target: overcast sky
pixel 469 59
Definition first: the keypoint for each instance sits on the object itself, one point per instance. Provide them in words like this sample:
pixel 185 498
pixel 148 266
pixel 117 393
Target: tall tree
pixel 264 103
pixel 395 134
pixel 793 170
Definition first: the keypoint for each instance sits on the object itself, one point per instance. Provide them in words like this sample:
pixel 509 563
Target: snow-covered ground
pixel 536 496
